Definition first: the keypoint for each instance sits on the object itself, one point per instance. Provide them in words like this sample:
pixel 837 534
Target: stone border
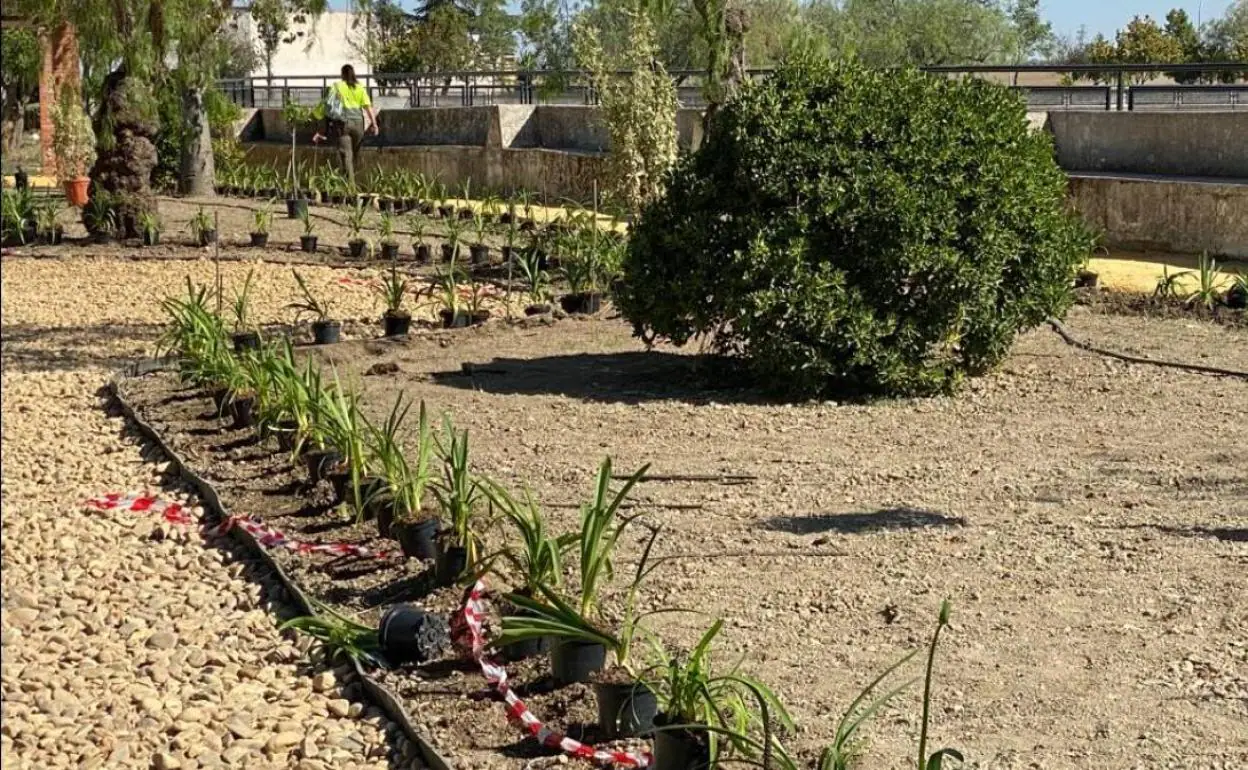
pixel 212 501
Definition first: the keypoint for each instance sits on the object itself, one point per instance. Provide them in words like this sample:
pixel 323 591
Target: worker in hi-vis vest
pixel 348 114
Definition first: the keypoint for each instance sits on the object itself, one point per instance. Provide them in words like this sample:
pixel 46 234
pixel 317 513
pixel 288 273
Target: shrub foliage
pixel 844 228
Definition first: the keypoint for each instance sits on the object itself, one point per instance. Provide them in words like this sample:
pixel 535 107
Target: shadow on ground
pixel 1225 534
pixel 862 523
pixel 611 377
pixel 32 348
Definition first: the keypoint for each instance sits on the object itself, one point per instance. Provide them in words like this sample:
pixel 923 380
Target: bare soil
pixel 1088 519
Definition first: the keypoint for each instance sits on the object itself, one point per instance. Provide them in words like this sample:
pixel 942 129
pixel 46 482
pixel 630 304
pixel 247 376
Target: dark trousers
pixel 347 135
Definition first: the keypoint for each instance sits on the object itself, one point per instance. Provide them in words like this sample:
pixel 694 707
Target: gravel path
pixel 126 644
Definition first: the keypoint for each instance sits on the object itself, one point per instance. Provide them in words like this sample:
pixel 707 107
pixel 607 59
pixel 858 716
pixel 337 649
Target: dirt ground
pixel 1087 518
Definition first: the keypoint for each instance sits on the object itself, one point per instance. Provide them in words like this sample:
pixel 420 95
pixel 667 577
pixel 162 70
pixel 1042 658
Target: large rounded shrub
pixel 845 228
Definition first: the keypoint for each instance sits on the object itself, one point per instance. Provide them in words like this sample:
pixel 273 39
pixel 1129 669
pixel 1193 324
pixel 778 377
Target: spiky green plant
pixel 1209 283
pixel 339 637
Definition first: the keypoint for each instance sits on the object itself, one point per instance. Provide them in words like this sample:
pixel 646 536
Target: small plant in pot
pixel 149 228
pixel 17 216
pixel 450 249
pixel 245 336
pixel 325 330
pixel 356 216
pixel 708 716
pixel 295 115
pixel 389 246
pixel 346 431
pixel 46 228
pixel 393 289
pixel 340 637
pixel 466 211
pixel 536 282
pixel 580 635
pixel 459 495
pixel 407 519
pixel 203 231
pixel 444 293
pixel 307 241
pixel 99 217
pixel 417 224
pixel 261 219
pixel 73 145
pixel 582 269
pixel 536 562
pixel 480 250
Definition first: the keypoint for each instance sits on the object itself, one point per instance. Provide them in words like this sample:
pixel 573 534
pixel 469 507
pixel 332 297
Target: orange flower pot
pixel 76 190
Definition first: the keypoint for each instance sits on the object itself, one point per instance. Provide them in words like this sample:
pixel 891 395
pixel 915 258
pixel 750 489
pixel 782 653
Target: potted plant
pixel 528 224
pixel 356 216
pixel 261 219
pixel 396 320
pixel 404 634
pixel 389 246
pixel 417 224
pixel 99 217
pixel 345 430
pixel 476 294
pixel 458 494
pixel 73 144
pixel 511 235
pixel 18 211
pixel 295 115
pixel 385 185
pixel 466 212
pixel 450 249
pixel 324 330
pixel 245 336
pixel 307 241
pixel 446 209
pixel 581 638
pixel 537 283
pixel 406 519
pixel 149 228
pixel 444 292
pixel 537 561
pixel 480 251
pixel 203 232
pixel 46 228
pixel 708 716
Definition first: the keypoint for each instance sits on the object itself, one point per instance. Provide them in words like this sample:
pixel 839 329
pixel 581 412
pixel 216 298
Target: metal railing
pixel 1111 88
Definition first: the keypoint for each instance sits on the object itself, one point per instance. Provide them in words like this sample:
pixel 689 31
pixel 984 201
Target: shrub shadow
pixel 862 523
pixel 612 377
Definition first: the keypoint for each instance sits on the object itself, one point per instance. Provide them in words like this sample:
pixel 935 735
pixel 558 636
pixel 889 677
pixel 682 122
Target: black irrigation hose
pixel 1057 327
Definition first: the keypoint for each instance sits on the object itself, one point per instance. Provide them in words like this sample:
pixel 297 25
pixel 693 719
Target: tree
pixel 19 77
pixel 1226 39
pixel 1032 35
pixel 1144 42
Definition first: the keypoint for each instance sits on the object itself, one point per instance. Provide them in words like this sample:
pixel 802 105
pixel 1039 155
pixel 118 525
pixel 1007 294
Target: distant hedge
pixel 888 232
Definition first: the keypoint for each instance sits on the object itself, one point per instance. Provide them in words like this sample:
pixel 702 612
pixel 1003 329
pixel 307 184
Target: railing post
pixel 1120 88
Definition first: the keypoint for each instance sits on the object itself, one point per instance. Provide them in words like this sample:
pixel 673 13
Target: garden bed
pixel 1049 500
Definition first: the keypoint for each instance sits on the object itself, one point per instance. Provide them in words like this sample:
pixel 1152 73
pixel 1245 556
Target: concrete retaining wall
pixel 1176 143
pixel 1159 213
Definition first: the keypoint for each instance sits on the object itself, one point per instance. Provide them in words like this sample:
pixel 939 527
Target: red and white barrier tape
pixel 468 623
pixel 268 537
pixel 470 633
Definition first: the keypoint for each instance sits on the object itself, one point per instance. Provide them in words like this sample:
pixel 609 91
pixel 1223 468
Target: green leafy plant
pixel 241 305
pixel 18 210
pixel 406 480
pixel 340 637
pixel 201 223
pixel 454 231
pixel 386 227
pixel 262 218
pixel 444 291
pixel 345 430
pixel 100 216
pixel 536 280
pixel 308 302
pixel 45 220
pixel 392 290
pixel 73 141
pixel 458 492
pixel 538 560
pixel 1168 284
pixel 149 225
pixel 357 214
pixel 1209 283
pixel 417 223
pixel 833 243
pixel 309 226
pixel 481 226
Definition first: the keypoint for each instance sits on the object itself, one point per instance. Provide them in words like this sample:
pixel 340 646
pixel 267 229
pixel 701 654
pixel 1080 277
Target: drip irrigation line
pixel 725 478
pixel 628 506
pixel 1070 340
pixel 746 555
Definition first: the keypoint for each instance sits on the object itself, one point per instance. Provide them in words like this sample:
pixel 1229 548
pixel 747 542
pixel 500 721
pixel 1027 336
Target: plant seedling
pixel 262 219
pixel 1209 283
pixel 356 217
pixel 308 302
pixel 340 637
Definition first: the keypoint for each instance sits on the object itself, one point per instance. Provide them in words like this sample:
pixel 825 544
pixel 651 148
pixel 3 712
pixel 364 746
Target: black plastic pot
pixel 529 648
pixel 541 309
pixel 450 563
pixel 448 252
pixel 340 479
pixel 246 341
pixel 326 332
pixel 396 325
pixel 528 226
pixel 285 433
pixel 100 238
pixel 572 661
pixel 383 511
pixel 417 539
pixel 52 238
pixel 509 254
pixel 586 303
pixel 409 634
pixel 386 204
pixel 356 247
pixel 220 400
pixel 446 212
pixel 296 207
pixel 260 240
pixel 454 320
pixel 466 214
pixel 243 412
pixel 625 710
pixel 423 254
pixel 318 463
pixel 389 251
pixel 307 243
pixel 679 749
pixel 207 237
pixel 1086 279
pixel 149 238
pixel 1237 298
pixel 480 254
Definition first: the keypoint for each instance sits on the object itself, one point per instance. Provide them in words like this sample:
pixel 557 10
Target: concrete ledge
pixel 1173 214
pixel 1211 144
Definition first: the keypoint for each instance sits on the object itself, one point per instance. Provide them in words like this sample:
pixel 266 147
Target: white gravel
pixel 128 644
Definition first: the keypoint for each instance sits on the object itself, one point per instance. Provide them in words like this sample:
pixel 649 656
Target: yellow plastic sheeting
pixel 1139 273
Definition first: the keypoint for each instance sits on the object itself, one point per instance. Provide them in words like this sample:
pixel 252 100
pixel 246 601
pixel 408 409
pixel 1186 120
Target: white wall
pixel 331 47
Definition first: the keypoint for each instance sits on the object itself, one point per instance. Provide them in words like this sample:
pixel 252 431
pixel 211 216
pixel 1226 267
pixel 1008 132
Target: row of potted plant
pixel 26 219
pixel 436 506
